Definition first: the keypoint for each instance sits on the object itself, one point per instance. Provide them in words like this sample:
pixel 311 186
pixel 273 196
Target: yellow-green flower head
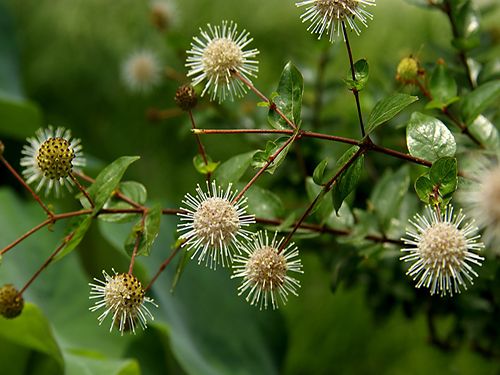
pixel 442 251
pixel 216 56
pixel 265 270
pixel 327 15
pixel 122 297
pixel 50 158
pixel 407 69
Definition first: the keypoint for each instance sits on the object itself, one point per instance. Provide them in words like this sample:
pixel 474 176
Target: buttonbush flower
pixel 141 71
pixel 264 270
pixel 482 199
pixel 50 157
pixel 326 15
pixel 212 223
pixel 215 57
pixel 122 297
pixel 11 302
pixel 442 251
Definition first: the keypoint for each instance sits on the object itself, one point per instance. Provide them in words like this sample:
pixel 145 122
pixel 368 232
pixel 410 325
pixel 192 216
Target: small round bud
pixel 407 69
pixel 186 98
pixel 11 302
pixel 161 15
pixel 54 158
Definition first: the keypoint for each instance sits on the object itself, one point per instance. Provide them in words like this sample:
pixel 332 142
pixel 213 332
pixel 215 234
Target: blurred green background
pixel 60 64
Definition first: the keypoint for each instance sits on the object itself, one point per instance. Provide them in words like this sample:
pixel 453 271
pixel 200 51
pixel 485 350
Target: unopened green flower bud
pixel 407 69
pixel 186 98
pixel 11 302
pixel 54 158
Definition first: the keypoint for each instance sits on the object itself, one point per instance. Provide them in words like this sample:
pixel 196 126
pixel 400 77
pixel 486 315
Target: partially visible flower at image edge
pixel 216 56
pixel 327 15
pixel 213 224
pixel 442 251
pixel 122 297
pixel 50 157
pixel 482 199
pixel 141 71
pixel 264 270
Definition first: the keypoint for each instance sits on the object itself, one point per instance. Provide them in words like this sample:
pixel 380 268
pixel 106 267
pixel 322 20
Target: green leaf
pixel 181 265
pixel 264 203
pixel 148 232
pixel 19 117
pixel 428 138
pixel 424 188
pixel 87 365
pixel 201 167
pixel 261 158
pixel 387 108
pixel 321 208
pixel 361 74
pixel 485 132
pixel 106 182
pixel 83 222
pixel 289 99
pixel 232 169
pixel 388 195
pixel 443 173
pixel 468 21
pixel 347 180
pixel 489 72
pixel 134 191
pixel 442 84
pixel 319 171
pixel 479 100
pixel 29 332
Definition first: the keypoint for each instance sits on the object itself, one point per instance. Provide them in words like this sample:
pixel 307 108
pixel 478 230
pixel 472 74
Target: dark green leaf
pixel 424 188
pixel 443 173
pixel 387 108
pixel 468 21
pixel 232 169
pixel 261 158
pixel 202 167
pixel 264 203
pixel 289 99
pixel 181 265
pixel 107 181
pixel 83 225
pixel 442 84
pixel 319 171
pixel 479 100
pixel 148 232
pixel 347 180
pixel 90 365
pixel 428 138
pixel 134 191
pixel 19 117
pixel 490 71
pixel 321 208
pixel 361 74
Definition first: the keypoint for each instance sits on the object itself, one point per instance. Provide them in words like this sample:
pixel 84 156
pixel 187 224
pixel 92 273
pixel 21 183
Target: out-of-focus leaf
pixel 428 138
pixel 387 108
pixel 83 227
pixel 442 84
pixel 479 100
pixel 264 203
pixel 29 332
pixel 181 265
pixel 85 365
pixel 361 73
pixel 485 132
pixel 489 72
pixel 134 191
pixel 232 169
pixel 289 99
pixel 148 232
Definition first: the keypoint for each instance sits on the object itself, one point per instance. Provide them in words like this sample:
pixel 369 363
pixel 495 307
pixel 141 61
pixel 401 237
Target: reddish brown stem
pixel 162 267
pixel 136 246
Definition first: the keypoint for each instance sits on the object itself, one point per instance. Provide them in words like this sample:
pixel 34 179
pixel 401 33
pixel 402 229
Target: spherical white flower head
pixel 482 199
pixel 212 224
pixel 215 57
pixel 326 15
pixel 442 251
pixel 50 157
pixel 122 296
pixel 264 270
pixel 141 71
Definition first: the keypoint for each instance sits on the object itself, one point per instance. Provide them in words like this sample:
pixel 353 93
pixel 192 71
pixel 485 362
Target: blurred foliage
pixel 60 64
